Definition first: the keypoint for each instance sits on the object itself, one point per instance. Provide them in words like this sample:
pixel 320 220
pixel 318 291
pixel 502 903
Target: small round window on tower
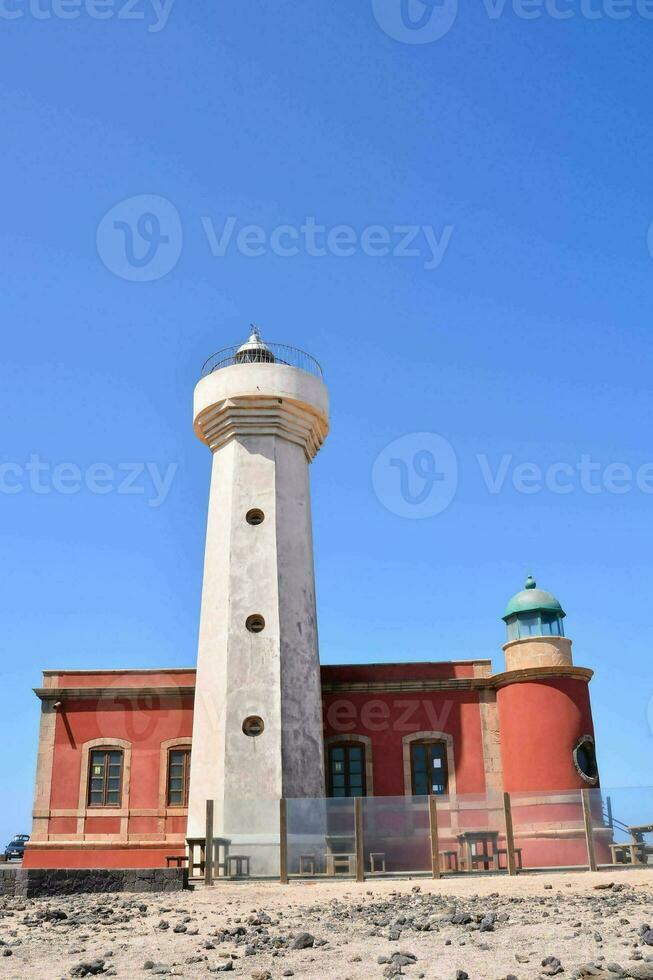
pixel 255 623
pixel 584 756
pixel 255 517
pixel 253 726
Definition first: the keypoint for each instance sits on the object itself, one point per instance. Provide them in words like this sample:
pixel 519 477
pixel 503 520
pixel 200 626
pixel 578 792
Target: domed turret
pixel 536 635
pixel 533 612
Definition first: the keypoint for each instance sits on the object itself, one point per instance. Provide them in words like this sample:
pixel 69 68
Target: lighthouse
pixel 263 412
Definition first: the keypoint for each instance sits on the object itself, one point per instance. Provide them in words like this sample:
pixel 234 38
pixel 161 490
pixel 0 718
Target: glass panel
pixel 419 758
pixel 421 784
pixel 549 829
pixel 396 833
pixel 251 828
pixel 112 798
pixel 321 837
pixel 622 824
pixel 115 758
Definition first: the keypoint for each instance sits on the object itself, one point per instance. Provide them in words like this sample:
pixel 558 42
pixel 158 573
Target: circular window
pixel 255 517
pixel 253 726
pixel 255 623
pixel 585 759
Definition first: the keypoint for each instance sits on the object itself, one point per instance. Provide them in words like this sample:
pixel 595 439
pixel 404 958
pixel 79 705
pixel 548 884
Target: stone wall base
pixel 38 882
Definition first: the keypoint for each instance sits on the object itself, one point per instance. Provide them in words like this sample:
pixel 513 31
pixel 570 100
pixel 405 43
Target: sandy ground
pixel 537 916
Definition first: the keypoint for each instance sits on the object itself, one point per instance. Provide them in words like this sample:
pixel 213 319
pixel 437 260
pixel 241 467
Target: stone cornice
pixel 262 415
pixel 111 693
pixel 540 673
pixel 338 687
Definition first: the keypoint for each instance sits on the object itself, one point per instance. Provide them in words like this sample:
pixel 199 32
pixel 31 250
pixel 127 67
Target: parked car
pixel 16 847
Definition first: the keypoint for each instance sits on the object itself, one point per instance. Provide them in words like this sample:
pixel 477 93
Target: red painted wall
pixel 541 721
pixel 387 718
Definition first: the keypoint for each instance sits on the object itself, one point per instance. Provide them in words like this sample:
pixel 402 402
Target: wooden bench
pixel 338 864
pixel 176 860
pixel 377 857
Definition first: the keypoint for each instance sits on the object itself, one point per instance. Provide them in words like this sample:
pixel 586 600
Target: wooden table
pixel 480 847
pixel 638 853
pixel 221 847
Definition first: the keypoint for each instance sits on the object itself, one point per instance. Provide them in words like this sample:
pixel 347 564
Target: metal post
pixel 208 845
pixel 510 836
pixel 283 842
pixel 589 832
pixel 608 803
pixel 435 837
pixel 360 844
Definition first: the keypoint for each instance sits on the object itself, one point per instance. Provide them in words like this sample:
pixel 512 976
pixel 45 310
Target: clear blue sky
pixel 529 139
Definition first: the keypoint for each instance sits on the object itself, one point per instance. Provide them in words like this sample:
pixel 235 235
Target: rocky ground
pixel 576 925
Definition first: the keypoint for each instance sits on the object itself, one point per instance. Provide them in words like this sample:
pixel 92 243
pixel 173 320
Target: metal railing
pixel 270 354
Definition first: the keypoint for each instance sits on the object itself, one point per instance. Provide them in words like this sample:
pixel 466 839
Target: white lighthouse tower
pixel 257 732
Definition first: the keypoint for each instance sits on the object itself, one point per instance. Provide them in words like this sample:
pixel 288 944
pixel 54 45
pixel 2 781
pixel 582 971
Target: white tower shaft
pixel 264 423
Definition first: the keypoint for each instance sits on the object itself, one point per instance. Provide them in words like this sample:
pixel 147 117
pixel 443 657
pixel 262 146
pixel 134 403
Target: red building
pixel 115 746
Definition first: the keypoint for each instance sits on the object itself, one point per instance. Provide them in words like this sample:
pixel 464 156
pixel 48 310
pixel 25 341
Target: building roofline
pixel 193 670
pixel 412 663
pixel 124 670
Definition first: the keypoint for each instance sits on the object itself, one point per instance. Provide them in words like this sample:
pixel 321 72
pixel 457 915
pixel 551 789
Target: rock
pixel 647 937
pixel 90 969
pixel 222 967
pixel 461 975
pixel 642 971
pixel 552 966
pixel 303 941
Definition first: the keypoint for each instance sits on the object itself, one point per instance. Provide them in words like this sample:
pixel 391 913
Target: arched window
pixel 429 768
pixel 347 769
pixel 178 776
pixel 105 775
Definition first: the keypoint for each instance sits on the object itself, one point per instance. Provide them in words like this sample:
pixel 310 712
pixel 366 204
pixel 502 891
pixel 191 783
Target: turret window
pixel 584 756
pixel 535 624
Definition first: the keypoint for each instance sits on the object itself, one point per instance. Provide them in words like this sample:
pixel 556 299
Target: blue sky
pixel 521 147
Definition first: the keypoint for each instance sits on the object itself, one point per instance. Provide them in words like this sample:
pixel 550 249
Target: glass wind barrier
pixel 549 829
pixel 321 838
pixel 250 832
pixel 622 826
pixel 471 832
pixel 396 835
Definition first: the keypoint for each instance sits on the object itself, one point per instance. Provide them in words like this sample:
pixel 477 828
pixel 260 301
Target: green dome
pixel 532 599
